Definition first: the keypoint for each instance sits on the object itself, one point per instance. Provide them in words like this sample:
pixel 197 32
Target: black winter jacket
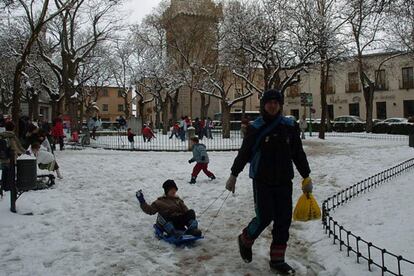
pixel 276 153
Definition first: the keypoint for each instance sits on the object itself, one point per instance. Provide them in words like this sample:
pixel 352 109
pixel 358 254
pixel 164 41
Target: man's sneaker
pixel 212 177
pixel 194 232
pixel 282 268
pixel 193 180
pixel 245 250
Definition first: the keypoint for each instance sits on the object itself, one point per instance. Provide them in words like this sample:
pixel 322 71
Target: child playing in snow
pixel 201 157
pixel 173 215
pixel 131 137
pixel 147 133
pixel 45 160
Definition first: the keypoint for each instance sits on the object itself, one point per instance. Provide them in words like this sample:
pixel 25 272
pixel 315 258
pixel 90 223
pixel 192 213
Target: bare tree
pixel 322 24
pixel 401 25
pixel 35 19
pixel 76 32
pixel 221 88
pixel 366 21
pixel 121 71
pixel 260 29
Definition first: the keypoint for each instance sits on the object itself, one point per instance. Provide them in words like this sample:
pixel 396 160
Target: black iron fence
pixel 168 142
pixel 118 140
pixel 374 256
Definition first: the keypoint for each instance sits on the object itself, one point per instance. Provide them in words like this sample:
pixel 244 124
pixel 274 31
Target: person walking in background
pixel 175 130
pixel 183 129
pixel 57 132
pixel 91 126
pixel 131 135
pixel 303 125
pixel 10 148
pixel 147 133
pixel 208 128
pixel 200 156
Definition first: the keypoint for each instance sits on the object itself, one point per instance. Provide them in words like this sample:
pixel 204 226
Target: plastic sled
pixel 181 240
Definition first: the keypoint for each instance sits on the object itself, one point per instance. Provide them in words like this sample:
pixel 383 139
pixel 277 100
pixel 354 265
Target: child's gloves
pixel 203 158
pixel 140 197
pixel 190 161
pixel 307 185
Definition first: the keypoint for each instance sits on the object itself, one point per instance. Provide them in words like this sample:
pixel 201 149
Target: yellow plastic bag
pixel 307 208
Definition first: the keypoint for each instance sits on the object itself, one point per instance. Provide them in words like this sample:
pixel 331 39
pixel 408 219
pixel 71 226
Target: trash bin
pixel 26 173
pixel 411 140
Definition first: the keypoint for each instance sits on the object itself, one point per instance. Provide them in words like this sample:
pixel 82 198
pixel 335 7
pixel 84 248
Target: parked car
pixel 348 119
pixel 395 121
pixel 348 124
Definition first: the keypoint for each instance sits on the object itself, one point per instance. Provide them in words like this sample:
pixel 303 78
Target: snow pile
pixel 91 224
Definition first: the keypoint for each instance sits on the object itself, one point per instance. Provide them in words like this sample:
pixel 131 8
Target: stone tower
pixel 191 32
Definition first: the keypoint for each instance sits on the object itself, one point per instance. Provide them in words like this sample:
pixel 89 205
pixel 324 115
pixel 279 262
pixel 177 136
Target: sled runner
pixel 180 240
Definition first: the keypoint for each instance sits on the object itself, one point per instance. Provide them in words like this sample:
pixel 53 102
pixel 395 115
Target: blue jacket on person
pixel 199 154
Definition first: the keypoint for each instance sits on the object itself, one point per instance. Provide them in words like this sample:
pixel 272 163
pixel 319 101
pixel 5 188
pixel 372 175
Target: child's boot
pixel 212 177
pixel 193 180
pixel 59 175
pixel 277 260
pixel 193 228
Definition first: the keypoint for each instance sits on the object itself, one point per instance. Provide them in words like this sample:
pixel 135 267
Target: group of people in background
pixel 37 139
pixel 94 124
pixel 203 128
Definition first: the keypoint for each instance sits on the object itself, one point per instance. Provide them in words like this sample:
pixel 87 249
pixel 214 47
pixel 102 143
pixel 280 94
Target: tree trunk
pixel 174 106
pixel 35 102
pixel 17 91
pixel 126 108
pixel 324 73
pixel 165 117
pixel 30 107
pixel 202 106
pixel 225 119
pixel 369 102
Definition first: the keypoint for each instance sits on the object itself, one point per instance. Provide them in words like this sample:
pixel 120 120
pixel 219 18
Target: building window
pixel 380 82
pixel 407 78
pixel 408 108
pixel 120 107
pixel 381 110
pixel 120 94
pixel 104 92
pixel 293 91
pixel 353 83
pixel 44 111
pixel 330 88
pixel 104 107
pixel 354 109
pixel 331 114
pixel 295 113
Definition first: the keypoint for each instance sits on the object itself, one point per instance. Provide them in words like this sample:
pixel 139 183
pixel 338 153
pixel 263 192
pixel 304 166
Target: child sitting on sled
pixel 173 215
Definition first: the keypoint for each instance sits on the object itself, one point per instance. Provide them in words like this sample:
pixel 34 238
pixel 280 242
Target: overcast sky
pixel 137 9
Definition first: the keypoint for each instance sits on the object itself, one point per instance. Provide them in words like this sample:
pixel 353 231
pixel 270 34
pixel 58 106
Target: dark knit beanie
pixel 269 95
pixel 168 185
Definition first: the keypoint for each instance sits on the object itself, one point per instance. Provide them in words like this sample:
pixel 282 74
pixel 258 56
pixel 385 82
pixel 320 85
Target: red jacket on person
pixel 57 130
pixel 147 132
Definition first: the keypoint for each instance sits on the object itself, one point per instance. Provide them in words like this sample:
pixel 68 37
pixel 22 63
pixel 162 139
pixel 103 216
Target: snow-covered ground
pixel 91 224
